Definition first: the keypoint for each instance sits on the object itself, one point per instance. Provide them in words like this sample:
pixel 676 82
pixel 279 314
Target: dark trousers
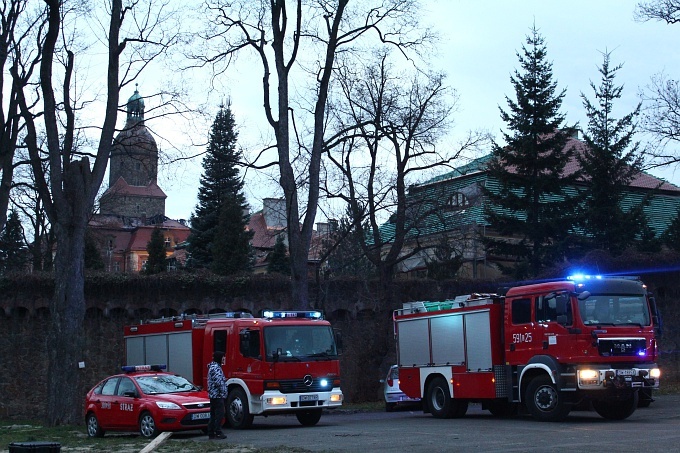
pixel 216 416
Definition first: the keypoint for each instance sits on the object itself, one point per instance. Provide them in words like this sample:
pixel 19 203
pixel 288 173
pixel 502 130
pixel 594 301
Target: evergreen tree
pixel 279 261
pixel 156 250
pixel 13 255
pixel 93 256
pixel 609 163
pixel 526 195
pixel 231 251
pixel 220 184
pixel 671 237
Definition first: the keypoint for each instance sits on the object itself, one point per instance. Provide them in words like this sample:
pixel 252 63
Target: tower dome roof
pixel 135 107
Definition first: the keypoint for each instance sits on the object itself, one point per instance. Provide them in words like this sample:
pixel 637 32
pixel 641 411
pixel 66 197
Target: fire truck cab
pixel 544 348
pixel 282 362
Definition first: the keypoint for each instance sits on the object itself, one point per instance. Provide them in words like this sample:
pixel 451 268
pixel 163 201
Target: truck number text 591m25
pixel 521 338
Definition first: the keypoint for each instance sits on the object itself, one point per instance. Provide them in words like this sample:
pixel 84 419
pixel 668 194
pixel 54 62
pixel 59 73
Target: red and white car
pixel 148 400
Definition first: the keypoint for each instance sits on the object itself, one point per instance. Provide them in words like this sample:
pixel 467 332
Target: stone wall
pixel 351 306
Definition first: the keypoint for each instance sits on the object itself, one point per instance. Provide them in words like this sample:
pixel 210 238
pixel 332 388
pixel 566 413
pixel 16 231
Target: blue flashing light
pixel 642 353
pixel 583 277
pixel 133 368
pixel 272 314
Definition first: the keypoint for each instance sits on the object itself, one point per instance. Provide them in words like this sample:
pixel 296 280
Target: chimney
pixel 274 212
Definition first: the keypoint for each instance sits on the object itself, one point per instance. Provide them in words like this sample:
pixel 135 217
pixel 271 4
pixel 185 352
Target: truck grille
pixel 621 347
pixel 298 386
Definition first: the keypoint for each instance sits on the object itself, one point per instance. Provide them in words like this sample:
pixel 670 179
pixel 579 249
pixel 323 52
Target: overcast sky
pixel 480 39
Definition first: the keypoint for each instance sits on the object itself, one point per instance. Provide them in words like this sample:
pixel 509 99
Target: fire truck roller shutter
pixel 478 341
pixel 447 340
pixel 414 347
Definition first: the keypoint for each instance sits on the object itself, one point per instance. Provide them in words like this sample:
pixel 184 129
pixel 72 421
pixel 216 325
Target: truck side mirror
pixel 338 340
pixel 656 316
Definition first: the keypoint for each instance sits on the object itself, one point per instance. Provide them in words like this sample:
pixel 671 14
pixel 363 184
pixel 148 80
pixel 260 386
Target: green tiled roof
pixel 661 210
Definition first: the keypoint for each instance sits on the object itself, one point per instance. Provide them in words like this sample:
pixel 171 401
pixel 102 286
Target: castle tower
pixel 133 169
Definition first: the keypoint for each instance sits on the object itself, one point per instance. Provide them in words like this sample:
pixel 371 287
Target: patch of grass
pixel 74 439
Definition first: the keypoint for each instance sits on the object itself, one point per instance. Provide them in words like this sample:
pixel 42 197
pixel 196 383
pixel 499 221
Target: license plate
pixel 309 397
pixel 200 416
pixel 625 372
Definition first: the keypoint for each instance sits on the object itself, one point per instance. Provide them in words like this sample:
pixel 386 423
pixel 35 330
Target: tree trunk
pixel 67 308
pixel 65 336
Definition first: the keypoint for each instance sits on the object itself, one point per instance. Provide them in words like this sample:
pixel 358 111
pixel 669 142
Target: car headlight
pixel 655 373
pixel 167 405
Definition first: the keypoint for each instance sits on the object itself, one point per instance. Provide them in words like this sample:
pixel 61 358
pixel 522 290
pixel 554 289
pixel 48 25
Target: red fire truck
pixel 545 348
pixel 281 363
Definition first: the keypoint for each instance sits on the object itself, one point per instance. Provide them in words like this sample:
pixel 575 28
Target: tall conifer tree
pixel 526 197
pixel 220 184
pixel 13 253
pixel 156 250
pixel 609 163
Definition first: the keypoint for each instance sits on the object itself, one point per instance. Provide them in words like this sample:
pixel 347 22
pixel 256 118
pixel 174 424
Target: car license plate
pixel 625 372
pixel 309 397
pixel 200 416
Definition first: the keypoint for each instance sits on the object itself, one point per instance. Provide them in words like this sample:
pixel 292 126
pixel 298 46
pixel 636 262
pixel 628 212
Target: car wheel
pixel 544 401
pixel 238 413
pixel 93 427
pixel 309 418
pixel 147 426
pixel 616 410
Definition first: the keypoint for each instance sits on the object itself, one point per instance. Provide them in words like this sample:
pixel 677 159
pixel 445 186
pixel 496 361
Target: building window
pixel 116 266
pixel 167 243
pixel 458 200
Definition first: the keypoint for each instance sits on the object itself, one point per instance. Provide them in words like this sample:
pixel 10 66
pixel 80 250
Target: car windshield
pixel 294 343
pixel 164 383
pixel 615 309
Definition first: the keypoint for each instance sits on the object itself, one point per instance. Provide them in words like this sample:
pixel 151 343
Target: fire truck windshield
pixel 295 343
pixel 614 309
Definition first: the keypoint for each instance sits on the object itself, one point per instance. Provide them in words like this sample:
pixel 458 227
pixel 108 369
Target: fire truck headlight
pixel 336 398
pixel 167 405
pixel 655 373
pixel 276 400
pixel 588 377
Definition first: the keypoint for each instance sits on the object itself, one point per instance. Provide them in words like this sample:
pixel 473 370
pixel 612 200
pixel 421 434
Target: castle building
pixel 134 205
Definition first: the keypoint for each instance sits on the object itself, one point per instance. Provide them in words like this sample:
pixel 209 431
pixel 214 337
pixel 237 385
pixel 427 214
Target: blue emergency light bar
pixel 582 277
pixel 133 368
pixel 312 314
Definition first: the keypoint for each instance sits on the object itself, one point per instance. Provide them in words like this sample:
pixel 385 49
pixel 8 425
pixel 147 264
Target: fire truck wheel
pixel 147 426
pixel 94 429
pixel 309 418
pixel 238 413
pixel 438 398
pixel 543 400
pixel 616 410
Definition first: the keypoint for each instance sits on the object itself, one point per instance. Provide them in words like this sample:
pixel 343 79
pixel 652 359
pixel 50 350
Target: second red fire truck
pixel 545 348
pixel 281 363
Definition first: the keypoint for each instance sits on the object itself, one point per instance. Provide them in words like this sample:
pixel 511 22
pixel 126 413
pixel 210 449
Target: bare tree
pixel 291 43
pixel 13 33
pixel 661 114
pixel 390 122
pixel 68 191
